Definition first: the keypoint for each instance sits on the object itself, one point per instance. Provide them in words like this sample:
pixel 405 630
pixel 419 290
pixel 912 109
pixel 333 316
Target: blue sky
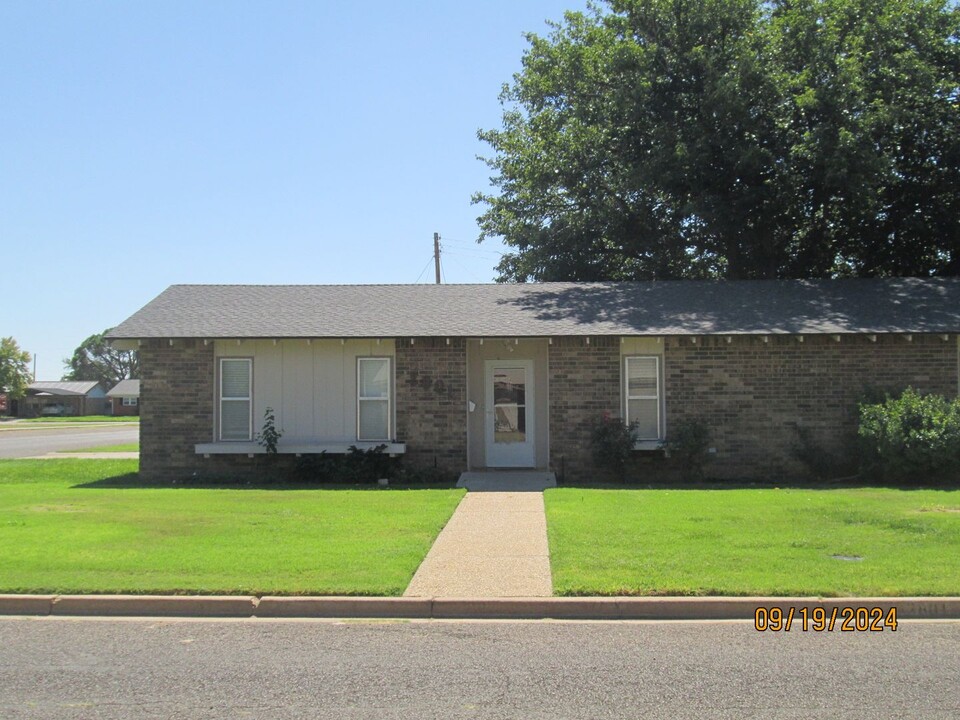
pixel 146 144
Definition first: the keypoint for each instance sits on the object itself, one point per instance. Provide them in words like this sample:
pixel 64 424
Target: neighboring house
pixel 517 375
pixel 53 398
pixel 125 397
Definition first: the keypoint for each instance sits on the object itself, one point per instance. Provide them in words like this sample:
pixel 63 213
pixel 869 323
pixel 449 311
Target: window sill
pixel 331 448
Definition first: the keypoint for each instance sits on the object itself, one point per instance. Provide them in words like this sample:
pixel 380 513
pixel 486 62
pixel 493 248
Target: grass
pixel 754 541
pixel 64 529
pixel 82 419
pixel 122 447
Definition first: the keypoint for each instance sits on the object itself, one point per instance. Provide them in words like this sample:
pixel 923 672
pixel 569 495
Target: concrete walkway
pixel 494 546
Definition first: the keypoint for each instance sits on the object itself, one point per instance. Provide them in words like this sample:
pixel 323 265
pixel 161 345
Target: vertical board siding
pixel 311 388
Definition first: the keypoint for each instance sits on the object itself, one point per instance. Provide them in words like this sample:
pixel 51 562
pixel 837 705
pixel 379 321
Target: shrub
pixel 356 467
pixel 838 460
pixel 612 443
pixel 689 442
pixel 912 437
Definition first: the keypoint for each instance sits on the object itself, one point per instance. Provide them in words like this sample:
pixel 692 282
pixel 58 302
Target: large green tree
pixel 95 359
pixel 14 368
pixel 732 138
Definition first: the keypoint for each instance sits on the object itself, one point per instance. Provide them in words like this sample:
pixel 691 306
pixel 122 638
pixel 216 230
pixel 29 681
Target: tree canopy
pixel 96 360
pixel 658 139
pixel 14 368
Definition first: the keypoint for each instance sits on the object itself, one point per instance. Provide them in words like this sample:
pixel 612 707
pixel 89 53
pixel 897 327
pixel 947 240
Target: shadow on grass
pixel 133 481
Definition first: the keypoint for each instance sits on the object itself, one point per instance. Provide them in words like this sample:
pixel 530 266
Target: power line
pixel 424 270
pixel 496 253
pixel 466 246
pixel 467 271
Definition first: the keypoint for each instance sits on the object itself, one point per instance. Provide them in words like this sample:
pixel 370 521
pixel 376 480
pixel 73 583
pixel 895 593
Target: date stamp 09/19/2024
pixel 818 619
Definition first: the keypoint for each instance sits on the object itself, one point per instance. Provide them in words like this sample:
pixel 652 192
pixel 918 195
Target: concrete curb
pixel 556 608
pixel 154 605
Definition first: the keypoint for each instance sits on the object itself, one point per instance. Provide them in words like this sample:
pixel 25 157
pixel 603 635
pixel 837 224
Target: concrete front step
pixel 507 481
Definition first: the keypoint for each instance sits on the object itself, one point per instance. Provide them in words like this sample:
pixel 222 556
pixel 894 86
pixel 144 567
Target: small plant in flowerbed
pixel 269 436
pixel 612 442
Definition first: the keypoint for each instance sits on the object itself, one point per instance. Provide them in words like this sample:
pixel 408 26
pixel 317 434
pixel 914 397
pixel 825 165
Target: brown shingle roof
pixel 905 305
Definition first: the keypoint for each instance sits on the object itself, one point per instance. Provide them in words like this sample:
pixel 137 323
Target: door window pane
pixel 509 386
pixel 509 404
pixel 509 425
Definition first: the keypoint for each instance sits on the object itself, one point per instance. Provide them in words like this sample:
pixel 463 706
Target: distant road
pixel 18 442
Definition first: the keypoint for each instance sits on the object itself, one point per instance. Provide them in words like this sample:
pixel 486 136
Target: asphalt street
pixel 18 442
pixel 99 668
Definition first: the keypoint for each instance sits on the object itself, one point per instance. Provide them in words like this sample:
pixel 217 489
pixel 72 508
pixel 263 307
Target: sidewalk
pixel 494 546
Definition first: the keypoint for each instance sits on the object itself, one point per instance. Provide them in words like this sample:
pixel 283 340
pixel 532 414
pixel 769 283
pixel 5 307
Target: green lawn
pixel 58 537
pixel 745 542
pixel 123 447
pixel 82 419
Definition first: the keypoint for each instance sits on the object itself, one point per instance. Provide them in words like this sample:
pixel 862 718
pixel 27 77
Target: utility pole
pixel 436 255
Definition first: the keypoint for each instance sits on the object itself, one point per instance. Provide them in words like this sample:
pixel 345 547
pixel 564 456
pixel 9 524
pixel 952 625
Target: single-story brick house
pixel 490 376
pixel 125 397
pixel 64 397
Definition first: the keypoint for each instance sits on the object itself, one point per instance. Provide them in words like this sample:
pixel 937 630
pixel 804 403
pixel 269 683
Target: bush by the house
pixel 688 442
pixel 911 437
pixel 612 443
pixel 833 461
pixel 356 467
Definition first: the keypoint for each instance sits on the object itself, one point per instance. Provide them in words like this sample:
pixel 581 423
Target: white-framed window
pixel 373 398
pixel 642 395
pixel 130 401
pixel 236 398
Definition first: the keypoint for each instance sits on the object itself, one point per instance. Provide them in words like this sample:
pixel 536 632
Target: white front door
pixel 509 413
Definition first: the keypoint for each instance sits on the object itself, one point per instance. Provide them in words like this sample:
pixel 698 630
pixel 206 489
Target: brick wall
pixel 753 395
pixel 584 384
pixel 176 395
pixel 118 408
pixel 431 402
